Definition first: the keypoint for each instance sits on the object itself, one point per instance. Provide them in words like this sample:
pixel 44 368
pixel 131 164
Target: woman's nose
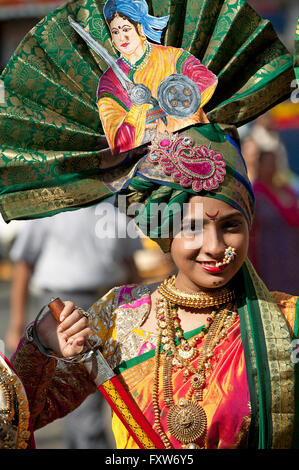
pixel 213 244
pixel 122 36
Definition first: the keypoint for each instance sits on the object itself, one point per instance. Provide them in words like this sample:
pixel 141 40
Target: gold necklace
pixel 186 420
pixel 194 300
pixel 6 387
pixel 142 62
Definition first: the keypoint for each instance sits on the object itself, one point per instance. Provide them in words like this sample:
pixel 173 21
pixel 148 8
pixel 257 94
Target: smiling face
pixel 196 254
pixel 126 37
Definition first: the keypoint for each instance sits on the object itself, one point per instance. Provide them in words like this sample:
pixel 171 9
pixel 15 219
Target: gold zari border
pixel 126 413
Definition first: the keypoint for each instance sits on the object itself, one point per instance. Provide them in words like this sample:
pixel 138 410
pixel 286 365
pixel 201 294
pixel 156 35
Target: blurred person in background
pixel 268 139
pixel 274 238
pixel 70 255
pixel 251 153
pixel 153 265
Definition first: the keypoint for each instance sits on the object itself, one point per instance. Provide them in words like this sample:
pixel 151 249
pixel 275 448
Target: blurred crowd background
pixel 39 259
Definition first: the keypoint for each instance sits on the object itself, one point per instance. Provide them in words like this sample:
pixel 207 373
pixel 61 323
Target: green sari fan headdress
pixel 53 155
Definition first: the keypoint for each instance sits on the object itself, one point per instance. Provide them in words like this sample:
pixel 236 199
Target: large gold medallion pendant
pixel 186 421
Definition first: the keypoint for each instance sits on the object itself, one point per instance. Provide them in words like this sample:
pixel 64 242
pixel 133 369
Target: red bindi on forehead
pixel 212 217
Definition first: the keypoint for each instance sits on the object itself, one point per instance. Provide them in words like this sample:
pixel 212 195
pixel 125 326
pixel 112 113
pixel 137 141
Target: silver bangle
pixel 32 336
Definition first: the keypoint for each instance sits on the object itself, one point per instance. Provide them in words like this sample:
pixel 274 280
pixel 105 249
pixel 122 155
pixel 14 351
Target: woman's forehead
pixel 201 207
pixel 119 22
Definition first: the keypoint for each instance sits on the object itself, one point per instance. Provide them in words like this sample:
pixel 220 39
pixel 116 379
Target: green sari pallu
pixel 272 374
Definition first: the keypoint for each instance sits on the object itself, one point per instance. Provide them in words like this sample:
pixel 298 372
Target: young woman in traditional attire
pixel 203 360
pixel 206 355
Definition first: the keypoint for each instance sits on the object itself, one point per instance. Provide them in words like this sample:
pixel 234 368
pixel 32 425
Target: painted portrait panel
pixel 175 85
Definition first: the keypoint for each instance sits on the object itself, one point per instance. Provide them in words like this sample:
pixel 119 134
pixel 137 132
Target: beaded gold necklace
pixel 142 62
pixel 186 420
pixel 195 300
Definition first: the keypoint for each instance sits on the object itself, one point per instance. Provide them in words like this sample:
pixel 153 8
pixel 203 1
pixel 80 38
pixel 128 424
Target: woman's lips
pixel 212 268
pixel 125 44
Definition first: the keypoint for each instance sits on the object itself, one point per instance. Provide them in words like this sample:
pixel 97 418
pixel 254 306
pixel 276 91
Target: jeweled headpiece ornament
pixel 192 167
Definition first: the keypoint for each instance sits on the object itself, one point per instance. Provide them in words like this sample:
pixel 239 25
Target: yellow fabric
pixel 136 116
pixel 286 304
pixel 121 405
pixel 226 387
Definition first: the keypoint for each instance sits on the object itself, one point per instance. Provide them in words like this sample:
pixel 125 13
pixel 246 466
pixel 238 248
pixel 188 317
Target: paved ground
pixel 51 436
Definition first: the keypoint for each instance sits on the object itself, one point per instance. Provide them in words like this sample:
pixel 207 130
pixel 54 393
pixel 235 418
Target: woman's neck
pixel 137 54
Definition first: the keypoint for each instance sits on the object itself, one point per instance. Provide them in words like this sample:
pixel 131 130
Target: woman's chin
pixel 213 283
pixel 212 279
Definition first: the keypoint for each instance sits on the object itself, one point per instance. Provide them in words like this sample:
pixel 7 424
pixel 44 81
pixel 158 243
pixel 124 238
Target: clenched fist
pixel 67 338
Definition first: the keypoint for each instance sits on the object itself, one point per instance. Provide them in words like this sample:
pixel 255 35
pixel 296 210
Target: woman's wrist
pixel 32 336
pixel 41 330
pixel 66 342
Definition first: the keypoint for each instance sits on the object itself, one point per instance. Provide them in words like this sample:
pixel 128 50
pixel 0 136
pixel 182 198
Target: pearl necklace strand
pixel 144 60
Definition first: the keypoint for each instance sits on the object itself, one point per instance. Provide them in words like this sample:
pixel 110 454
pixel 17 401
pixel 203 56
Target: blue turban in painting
pixel 137 10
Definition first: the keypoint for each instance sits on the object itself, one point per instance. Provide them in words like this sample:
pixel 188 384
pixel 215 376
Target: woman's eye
pixel 231 225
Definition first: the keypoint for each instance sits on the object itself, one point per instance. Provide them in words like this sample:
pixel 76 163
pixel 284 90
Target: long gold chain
pixel 186 420
pixel 156 406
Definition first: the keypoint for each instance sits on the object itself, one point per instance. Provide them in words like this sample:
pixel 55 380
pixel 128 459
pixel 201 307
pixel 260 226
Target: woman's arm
pixel 123 122
pixel 289 307
pixel 55 388
pixel 123 128
pixel 202 76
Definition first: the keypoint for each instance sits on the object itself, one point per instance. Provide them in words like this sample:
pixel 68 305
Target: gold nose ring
pixel 229 255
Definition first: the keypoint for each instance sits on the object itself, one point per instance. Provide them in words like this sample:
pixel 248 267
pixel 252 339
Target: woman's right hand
pixel 68 337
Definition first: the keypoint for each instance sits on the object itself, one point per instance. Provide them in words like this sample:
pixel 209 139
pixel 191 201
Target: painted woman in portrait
pixel 128 125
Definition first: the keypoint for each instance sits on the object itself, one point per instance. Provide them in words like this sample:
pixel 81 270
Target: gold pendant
pixel 186 352
pixel 198 381
pixel 186 421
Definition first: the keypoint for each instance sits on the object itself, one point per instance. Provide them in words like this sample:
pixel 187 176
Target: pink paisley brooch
pixel 200 167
